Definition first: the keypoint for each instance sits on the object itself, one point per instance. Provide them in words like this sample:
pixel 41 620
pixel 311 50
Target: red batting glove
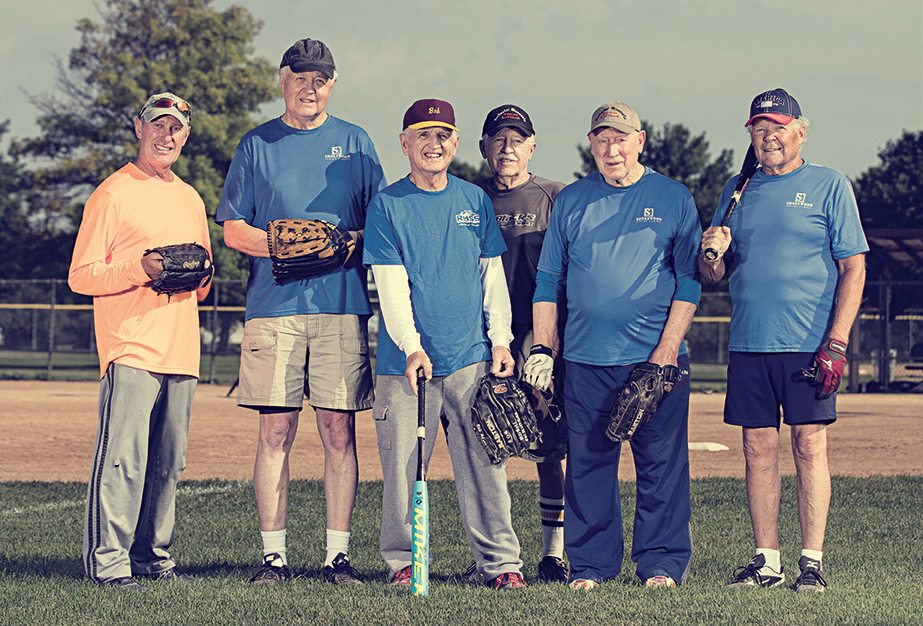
pixel 828 367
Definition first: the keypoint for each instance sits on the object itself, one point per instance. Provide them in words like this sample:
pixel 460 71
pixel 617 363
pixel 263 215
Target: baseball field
pixel 873 559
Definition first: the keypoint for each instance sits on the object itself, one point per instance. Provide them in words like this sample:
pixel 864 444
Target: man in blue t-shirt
pixel 797 270
pixel 308 337
pixel 434 247
pixel 619 261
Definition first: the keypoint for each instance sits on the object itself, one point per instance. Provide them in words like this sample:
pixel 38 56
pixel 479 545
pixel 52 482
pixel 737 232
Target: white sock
pixel 552 514
pixel 274 541
pixel 337 542
pixel 773 559
pixel 814 555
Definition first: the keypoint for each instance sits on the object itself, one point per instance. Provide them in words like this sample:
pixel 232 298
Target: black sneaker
pixel 750 575
pixel 551 569
pixel 472 575
pixel 340 572
pixel 125 582
pixel 172 575
pixel 270 574
pixel 811 579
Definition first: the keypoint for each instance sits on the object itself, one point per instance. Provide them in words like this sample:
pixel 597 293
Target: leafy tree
pixel 890 195
pixel 142 47
pixel 463 170
pixel 676 154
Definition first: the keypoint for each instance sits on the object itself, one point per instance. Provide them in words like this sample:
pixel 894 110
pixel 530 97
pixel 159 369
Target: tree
pixel 463 170
pixel 890 195
pixel 143 47
pixel 676 154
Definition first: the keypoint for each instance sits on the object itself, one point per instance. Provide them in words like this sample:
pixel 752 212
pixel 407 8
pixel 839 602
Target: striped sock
pixel 552 513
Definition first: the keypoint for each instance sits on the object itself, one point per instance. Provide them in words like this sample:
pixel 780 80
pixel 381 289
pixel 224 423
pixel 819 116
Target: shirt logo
pixel 516 219
pixel 649 217
pixel 800 202
pixel 336 154
pixel 468 218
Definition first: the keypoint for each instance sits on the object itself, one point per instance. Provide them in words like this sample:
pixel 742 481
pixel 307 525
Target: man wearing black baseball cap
pixel 308 337
pixel 797 270
pixel 434 247
pixel 522 203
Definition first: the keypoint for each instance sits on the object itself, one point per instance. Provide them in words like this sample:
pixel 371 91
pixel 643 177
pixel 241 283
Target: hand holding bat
pixel 746 171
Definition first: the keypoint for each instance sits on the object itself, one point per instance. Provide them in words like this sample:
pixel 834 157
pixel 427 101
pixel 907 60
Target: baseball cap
pixel 429 112
pixel 507 116
pixel 617 115
pixel 166 104
pixel 775 104
pixel 309 54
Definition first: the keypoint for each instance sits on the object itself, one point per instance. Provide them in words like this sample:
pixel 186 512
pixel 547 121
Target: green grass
pixel 872 560
pixel 72 366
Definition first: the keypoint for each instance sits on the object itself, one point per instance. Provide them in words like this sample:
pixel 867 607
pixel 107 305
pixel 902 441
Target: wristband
pixel 540 349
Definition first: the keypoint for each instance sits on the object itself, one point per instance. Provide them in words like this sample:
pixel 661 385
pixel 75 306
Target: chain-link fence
pixel 46 331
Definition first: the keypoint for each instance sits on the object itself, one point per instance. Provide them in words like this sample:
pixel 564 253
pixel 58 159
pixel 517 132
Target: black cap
pixel 309 54
pixel 776 104
pixel 508 115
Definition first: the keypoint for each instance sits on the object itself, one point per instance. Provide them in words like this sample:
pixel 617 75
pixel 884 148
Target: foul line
pixel 72 504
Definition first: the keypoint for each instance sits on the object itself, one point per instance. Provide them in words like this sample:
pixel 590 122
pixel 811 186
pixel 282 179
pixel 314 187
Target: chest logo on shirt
pixel 468 218
pixel 800 202
pixel 648 217
pixel 336 154
pixel 517 219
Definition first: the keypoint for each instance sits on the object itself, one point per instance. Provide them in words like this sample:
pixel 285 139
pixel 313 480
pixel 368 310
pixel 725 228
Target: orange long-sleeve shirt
pixel 131 212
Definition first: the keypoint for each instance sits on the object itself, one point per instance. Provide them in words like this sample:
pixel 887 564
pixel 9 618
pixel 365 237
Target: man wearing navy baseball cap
pixel 795 252
pixel 305 337
pixel 434 247
pixel 522 203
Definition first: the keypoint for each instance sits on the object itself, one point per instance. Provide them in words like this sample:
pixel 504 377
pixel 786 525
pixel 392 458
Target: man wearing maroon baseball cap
pixel 797 270
pixel 434 246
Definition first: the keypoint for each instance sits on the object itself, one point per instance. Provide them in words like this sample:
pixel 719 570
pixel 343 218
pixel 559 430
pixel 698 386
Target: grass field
pixel 873 563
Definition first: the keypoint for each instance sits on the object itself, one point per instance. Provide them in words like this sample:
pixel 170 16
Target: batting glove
pixel 538 367
pixel 828 367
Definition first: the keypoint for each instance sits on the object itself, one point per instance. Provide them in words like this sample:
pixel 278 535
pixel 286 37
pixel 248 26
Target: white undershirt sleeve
pixel 396 308
pixel 497 310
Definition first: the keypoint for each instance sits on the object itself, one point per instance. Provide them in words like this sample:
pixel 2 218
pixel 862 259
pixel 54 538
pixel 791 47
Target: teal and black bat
pixel 420 563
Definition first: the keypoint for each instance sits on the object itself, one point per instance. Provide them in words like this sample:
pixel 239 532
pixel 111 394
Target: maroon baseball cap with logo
pixel 429 112
pixel 617 115
pixel 507 116
pixel 775 104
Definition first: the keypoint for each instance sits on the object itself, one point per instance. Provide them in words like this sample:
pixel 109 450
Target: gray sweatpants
pixel 139 456
pixel 482 492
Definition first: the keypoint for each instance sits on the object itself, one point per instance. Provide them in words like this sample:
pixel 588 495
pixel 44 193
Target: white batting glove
pixel 537 370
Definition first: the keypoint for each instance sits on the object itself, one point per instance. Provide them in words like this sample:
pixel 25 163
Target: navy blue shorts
pixel 765 387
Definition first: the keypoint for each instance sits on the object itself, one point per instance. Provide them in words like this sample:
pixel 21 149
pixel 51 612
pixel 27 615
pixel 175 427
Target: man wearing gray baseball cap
pixel 618 270
pixel 311 336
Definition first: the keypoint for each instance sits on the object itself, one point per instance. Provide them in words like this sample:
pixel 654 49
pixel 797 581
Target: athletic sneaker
pixel 752 576
pixel 660 581
pixel 340 572
pixel 552 569
pixel 172 575
pixel 270 574
pixel 472 575
pixel 583 584
pixel 402 577
pixel 509 581
pixel 811 579
pixel 125 582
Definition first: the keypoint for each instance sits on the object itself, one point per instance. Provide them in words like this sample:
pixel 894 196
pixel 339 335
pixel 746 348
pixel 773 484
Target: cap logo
pixel 433 110
pixel 611 113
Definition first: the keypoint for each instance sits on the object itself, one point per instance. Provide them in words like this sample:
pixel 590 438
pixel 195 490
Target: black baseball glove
pixel 640 397
pixel 502 419
pixel 302 249
pixel 186 267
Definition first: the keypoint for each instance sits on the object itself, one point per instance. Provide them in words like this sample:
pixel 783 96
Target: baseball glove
pixel 302 249
pixel 502 419
pixel 185 267
pixel 640 397
pixel 552 425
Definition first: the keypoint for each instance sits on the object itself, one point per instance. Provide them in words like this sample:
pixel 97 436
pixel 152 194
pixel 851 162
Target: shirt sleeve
pixel 498 314
pixel 685 255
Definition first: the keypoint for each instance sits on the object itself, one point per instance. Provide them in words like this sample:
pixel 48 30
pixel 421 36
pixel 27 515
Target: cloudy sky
pixel 856 67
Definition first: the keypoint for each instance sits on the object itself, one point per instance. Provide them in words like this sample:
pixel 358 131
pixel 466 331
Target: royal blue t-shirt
pixel 620 256
pixel 331 173
pixel 439 237
pixel 787 233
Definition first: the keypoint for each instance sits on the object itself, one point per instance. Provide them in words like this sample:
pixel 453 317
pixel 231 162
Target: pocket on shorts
pixel 382 427
pixel 354 338
pixel 257 342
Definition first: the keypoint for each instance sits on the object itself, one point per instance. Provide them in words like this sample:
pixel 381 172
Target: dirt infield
pixel 47 431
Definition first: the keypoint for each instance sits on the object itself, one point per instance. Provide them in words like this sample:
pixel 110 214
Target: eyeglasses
pixel 166 103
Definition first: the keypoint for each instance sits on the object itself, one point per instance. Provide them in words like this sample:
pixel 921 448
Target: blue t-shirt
pixel 620 256
pixel 439 238
pixel 331 173
pixel 787 234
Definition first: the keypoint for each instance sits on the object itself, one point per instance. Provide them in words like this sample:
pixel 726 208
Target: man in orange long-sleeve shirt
pixel 148 351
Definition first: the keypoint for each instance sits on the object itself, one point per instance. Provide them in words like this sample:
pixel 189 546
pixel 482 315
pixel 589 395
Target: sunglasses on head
pixel 166 103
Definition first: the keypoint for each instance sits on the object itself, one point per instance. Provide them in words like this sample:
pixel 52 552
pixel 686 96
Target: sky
pixel 855 67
